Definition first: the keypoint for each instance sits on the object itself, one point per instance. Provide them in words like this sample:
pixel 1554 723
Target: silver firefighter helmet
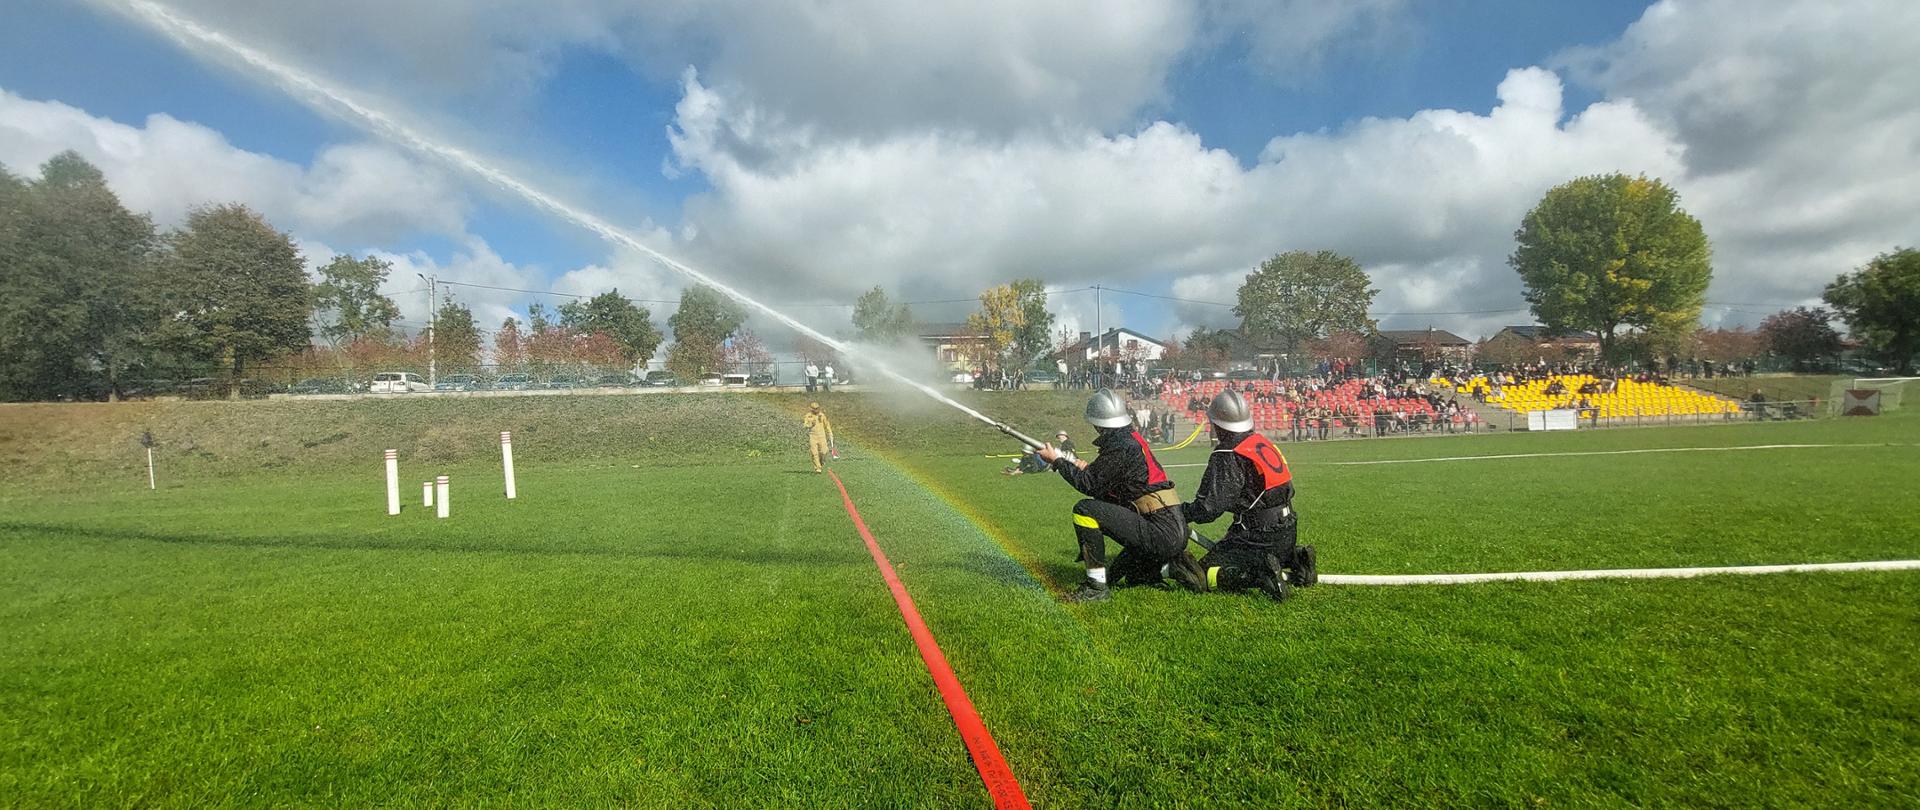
pixel 1108 410
pixel 1229 412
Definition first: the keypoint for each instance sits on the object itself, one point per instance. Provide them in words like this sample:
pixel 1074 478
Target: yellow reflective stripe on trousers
pixel 1213 577
pixel 1085 520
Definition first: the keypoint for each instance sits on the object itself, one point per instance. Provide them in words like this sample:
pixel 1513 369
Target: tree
pixel 76 304
pixel 814 351
pixel 702 323
pixel 456 338
pixel 1508 349
pixel 628 324
pixel 1802 335
pixel 1342 345
pixel 1001 319
pixel 509 348
pixel 745 352
pixel 1208 348
pixel 1031 338
pixel 347 304
pixel 1609 252
pixel 1299 296
pixel 537 320
pixel 1881 305
pixel 877 319
pixel 236 291
pixel 1728 345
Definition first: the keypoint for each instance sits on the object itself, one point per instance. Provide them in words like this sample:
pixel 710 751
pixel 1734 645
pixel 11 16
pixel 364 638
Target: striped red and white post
pixel 440 496
pixel 506 460
pixel 393 482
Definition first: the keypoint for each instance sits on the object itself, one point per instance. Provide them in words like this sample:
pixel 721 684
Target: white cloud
pixel 1429 201
pixel 363 194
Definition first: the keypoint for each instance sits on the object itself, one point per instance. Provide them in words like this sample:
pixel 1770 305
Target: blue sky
pixel 874 153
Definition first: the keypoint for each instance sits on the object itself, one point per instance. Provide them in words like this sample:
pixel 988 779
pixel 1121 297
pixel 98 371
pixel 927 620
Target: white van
pixel 398 382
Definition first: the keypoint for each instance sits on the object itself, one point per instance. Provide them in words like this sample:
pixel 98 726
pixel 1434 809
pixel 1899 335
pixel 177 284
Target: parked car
pixel 962 378
pixel 514 382
pixel 398 382
pixel 1042 376
pixel 565 382
pixel 614 380
pixel 733 380
pixel 321 385
pixel 660 379
pixel 762 380
pixel 1246 375
pixel 456 382
pixel 712 379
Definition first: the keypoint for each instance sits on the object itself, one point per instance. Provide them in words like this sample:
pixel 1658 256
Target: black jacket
pixel 1120 473
pixel 1232 484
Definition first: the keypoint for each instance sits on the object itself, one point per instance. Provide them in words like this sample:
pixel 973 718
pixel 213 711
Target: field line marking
pixel 993 768
pixel 1614 573
pixel 1575 453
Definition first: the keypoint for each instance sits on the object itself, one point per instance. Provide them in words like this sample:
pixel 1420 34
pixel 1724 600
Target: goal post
pixel 1866 396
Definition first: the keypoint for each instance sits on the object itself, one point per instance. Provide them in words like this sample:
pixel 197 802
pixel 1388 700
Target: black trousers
pixel 1235 563
pixel 1146 541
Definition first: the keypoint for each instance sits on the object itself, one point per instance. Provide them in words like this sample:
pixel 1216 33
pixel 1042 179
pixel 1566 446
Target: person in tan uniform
pixel 819 434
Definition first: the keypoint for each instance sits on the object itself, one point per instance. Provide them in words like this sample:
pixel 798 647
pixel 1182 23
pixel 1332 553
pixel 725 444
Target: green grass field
pixel 675 613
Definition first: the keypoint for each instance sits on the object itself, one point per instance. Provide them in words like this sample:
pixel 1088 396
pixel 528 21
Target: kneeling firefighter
pixel 1130 499
pixel 1246 475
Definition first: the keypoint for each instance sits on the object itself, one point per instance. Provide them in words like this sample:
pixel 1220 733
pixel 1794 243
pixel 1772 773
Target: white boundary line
pixel 1612 573
pixel 1577 453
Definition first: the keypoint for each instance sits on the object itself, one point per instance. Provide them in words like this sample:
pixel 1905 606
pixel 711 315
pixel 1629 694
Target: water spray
pixel 194 36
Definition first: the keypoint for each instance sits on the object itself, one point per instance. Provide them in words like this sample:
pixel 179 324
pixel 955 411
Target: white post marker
pixel 426 493
pixel 393 482
pixel 150 482
pixel 440 496
pixel 506 459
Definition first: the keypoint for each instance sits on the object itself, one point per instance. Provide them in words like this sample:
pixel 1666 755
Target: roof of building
pixel 1111 337
pixel 1420 336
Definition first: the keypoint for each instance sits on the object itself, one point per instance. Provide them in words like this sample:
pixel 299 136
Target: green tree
pixel 1300 296
pixel 1881 305
pixel 1803 335
pixel 1001 319
pixel 1613 252
pixel 700 327
pixel 75 289
pixel 235 291
pixel 877 319
pixel 628 324
pixel 1034 337
pixel 347 304
pixel 456 338
pixel 1208 348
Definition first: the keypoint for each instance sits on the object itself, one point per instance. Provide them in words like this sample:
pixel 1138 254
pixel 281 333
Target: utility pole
pixel 1099 341
pixel 433 320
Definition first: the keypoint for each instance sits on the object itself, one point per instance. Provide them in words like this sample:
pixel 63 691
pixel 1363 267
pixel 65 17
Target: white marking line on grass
pixel 1613 573
pixel 1579 453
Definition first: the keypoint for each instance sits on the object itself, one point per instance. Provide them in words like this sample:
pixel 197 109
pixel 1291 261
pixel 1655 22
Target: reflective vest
pixel 1155 475
pixel 1266 458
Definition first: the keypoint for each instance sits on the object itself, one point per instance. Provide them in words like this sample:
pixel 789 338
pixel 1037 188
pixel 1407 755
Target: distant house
pixel 1421 344
pixel 1573 340
pixel 1118 344
pixel 953 344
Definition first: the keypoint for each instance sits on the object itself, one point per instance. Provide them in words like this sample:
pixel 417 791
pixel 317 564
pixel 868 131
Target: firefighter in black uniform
pixel 1130 499
pixel 1246 475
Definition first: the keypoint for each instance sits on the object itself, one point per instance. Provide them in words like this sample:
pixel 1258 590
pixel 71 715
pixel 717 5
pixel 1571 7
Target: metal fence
pixel 1783 411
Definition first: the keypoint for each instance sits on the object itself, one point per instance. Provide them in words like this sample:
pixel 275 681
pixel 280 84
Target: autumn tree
pixel 509 347
pixel 456 338
pixel 1803 335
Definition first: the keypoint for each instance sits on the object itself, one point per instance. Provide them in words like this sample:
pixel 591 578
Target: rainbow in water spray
pixel 193 35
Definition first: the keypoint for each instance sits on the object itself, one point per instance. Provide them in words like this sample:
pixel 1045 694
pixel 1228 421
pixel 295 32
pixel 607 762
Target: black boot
pixel 1090 591
pixel 1187 571
pixel 1305 571
pixel 1272 580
